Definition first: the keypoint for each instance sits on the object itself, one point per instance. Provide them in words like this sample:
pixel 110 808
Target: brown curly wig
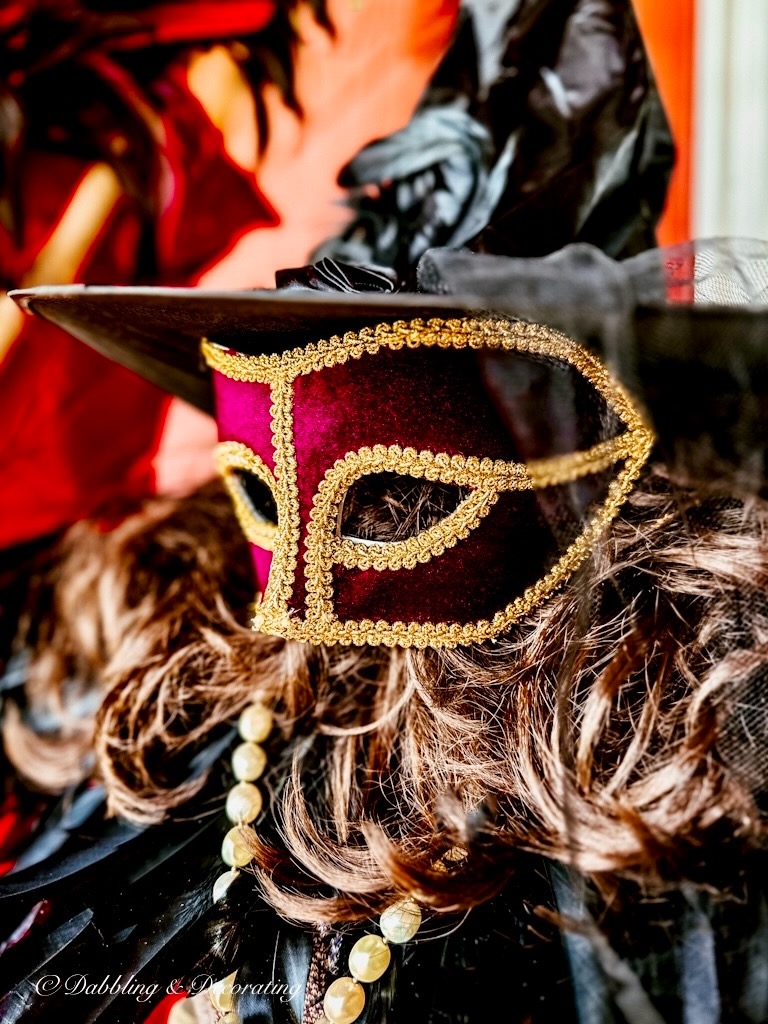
pixel 604 731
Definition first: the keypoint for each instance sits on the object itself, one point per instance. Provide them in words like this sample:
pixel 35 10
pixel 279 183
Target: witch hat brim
pixel 699 363
pixel 157 331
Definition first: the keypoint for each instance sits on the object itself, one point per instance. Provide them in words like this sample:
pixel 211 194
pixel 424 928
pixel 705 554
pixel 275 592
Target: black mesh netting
pixel 686 330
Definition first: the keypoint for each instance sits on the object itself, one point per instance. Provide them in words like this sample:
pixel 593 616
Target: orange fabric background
pixel 669 30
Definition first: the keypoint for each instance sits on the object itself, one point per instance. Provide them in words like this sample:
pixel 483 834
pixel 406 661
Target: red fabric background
pixel 80 432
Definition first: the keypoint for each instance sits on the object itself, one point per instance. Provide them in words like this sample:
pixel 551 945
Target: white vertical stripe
pixel 730 169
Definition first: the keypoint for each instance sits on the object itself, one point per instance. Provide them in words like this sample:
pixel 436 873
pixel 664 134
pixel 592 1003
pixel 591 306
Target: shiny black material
pixel 131 906
pixel 542 126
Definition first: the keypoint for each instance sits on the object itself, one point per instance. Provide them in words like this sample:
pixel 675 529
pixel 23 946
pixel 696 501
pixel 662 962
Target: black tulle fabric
pixel 683 328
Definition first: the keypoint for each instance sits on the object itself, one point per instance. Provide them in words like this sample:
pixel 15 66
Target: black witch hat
pixel 685 329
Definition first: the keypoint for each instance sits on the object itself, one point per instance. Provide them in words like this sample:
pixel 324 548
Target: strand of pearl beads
pixel 243 806
pixel 244 800
pixel 369 959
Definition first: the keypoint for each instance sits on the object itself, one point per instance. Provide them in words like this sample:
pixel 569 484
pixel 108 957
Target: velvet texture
pixel 433 400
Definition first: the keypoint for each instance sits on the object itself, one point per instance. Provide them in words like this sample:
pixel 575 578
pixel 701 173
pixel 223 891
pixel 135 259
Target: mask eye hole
pixel 380 508
pixel 256 495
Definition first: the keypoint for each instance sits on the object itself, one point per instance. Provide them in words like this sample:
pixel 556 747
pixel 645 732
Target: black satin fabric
pixel 130 911
pixel 541 126
pixel 110 901
pixel 333 276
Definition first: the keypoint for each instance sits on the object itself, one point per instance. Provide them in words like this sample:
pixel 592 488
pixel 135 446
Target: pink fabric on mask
pixel 431 399
pixel 262 560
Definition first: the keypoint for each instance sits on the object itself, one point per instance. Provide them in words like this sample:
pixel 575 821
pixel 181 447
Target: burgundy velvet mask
pixel 542 468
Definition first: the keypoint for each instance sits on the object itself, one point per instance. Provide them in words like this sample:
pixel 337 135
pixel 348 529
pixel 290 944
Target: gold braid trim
pixel 564 469
pixel 324 548
pixel 487 478
pixel 231 456
pixel 282 571
pixel 535 339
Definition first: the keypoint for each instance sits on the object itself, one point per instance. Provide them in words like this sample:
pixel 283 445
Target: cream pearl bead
pixel 221 995
pixel 248 762
pixel 255 723
pixel 234 850
pixel 369 958
pixel 401 921
pixel 343 1001
pixel 244 802
pixel 222 884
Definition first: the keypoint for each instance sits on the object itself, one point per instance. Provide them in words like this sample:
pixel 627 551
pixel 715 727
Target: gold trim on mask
pixel 282 570
pixel 231 456
pixel 487 478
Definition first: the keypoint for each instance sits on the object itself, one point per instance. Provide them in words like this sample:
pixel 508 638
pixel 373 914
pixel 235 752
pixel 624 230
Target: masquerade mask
pixel 533 474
